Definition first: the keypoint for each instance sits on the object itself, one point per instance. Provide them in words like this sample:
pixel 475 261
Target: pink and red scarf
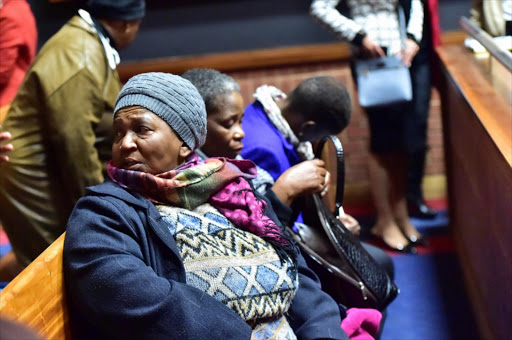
pixel 219 181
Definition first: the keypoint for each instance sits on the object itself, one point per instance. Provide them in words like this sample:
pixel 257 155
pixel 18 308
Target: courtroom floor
pixel 433 303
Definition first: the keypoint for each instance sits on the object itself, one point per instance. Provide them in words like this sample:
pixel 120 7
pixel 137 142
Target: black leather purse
pixel 346 270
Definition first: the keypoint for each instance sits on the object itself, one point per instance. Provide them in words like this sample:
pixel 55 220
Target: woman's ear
pixel 307 131
pixel 129 25
pixel 185 151
pixel 126 27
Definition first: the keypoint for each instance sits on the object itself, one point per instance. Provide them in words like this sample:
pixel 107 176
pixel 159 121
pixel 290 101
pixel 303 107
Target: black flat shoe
pixel 409 248
pixel 418 241
pixel 419 209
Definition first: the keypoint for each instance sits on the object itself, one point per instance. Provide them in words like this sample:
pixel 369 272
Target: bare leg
pixel 9 267
pixel 385 197
pixel 398 187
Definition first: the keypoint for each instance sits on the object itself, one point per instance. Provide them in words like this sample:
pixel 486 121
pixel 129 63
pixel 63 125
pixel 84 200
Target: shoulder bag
pixel 386 80
pixel 346 270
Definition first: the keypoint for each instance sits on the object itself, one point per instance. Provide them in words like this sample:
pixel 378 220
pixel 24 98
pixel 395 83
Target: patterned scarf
pixel 219 181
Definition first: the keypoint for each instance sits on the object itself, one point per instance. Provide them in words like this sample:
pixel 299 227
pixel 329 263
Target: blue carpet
pixel 435 225
pixel 432 304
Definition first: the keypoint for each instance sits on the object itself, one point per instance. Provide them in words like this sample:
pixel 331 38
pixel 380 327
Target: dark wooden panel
pixel 254 59
pixel 233 61
pixel 477 122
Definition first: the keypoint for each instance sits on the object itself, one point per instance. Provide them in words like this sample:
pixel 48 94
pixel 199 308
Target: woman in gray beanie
pixel 177 248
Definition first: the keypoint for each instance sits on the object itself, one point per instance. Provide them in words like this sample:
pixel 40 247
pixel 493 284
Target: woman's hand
pixel 371 49
pixel 5 148
pixel 350 223
pixel 305 178
pixel 411 49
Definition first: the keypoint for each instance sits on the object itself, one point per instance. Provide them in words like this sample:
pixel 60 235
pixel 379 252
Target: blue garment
pixel 124 278
pixel 264 144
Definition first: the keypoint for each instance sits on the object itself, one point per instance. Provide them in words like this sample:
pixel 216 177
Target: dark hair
pixel 210 84
pixel 324 100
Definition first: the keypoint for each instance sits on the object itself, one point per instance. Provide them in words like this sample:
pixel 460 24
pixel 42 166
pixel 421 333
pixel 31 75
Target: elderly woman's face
pixel 144 142
pixel 225 133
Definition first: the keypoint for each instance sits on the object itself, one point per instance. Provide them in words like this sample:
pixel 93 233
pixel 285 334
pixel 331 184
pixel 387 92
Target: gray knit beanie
pixel 170 97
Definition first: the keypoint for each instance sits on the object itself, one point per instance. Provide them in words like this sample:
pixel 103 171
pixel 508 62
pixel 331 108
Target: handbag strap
pixel 401 20
pixel 340 172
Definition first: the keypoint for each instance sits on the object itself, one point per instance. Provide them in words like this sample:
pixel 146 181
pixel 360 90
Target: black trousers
pixel 417 123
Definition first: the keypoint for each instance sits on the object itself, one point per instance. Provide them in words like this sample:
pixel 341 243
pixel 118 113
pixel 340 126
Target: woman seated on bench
pixel 177 248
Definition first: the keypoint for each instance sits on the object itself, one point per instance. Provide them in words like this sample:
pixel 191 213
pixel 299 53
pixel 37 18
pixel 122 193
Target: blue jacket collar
pixel 109 188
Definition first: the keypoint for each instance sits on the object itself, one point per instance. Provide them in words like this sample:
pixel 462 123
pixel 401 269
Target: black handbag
pixel 385 80
pixel 346 270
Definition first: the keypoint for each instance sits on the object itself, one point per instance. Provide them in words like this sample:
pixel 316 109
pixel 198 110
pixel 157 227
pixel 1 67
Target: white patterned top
pixel 377 18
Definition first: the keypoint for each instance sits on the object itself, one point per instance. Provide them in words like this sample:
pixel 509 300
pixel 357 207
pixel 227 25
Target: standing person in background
pixel 374 32
pixel 421 78
pixel 493 16
pixel 60 123
pixel 18 44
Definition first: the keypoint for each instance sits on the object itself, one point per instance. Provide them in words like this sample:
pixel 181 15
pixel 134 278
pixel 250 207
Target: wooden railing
pixel 504 56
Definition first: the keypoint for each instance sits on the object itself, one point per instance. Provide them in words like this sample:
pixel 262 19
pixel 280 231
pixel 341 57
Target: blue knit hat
pixel 116 9
pixel 170 97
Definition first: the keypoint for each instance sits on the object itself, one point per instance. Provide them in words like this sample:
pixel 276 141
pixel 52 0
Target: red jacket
pixel 18 44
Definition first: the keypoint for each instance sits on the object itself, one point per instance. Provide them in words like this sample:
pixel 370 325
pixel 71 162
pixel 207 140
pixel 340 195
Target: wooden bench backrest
pixel 36 297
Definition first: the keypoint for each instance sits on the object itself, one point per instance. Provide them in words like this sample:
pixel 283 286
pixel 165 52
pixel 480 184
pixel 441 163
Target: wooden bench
pixel 36 297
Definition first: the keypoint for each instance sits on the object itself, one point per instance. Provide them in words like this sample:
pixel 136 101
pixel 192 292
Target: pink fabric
pixel 238 203
pixel 361 323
